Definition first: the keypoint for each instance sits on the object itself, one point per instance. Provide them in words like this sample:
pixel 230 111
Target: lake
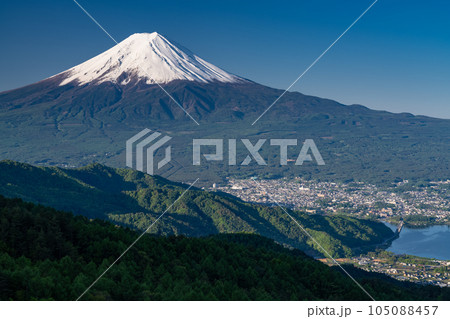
pixel 430 242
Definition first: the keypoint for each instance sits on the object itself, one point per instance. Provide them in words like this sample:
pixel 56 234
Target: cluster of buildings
pixel 358 199
pixel 361 200
pixel 433 272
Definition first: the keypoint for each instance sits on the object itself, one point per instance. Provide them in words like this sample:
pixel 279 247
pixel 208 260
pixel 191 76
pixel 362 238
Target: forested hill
pixel 134 199
pixel 47 254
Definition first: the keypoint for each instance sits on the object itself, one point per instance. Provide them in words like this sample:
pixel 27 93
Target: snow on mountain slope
pixel 149 57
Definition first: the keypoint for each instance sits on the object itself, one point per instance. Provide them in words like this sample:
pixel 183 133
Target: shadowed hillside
pixel 50 255
pixel 134 199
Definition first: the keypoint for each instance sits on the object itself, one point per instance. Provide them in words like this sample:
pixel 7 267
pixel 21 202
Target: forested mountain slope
pixel 50 255
pixel 131 198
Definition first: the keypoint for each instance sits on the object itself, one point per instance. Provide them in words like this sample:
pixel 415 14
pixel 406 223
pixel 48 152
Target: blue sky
pixel 396 58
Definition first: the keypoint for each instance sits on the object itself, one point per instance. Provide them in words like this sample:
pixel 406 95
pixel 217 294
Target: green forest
pixel 47 254
pixel 133 199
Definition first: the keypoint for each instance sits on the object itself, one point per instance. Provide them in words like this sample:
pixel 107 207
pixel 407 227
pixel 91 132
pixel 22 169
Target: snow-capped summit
pixel 149 57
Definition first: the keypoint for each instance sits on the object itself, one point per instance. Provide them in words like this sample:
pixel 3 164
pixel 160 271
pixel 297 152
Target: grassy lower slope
pixel 45 123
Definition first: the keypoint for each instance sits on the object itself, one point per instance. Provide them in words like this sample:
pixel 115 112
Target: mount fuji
pixel 87 112
pixel 147 57
pixel 127 79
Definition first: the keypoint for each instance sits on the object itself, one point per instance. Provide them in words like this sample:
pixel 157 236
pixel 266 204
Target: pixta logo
pixel 304 155
pixel 144 145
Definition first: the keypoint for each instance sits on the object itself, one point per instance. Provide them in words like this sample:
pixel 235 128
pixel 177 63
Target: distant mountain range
pixel 86 114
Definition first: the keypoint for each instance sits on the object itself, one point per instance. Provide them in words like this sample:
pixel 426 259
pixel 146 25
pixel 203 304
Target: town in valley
pixel 417 205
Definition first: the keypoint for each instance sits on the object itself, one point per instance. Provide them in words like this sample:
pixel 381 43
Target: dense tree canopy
pixel 47 254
